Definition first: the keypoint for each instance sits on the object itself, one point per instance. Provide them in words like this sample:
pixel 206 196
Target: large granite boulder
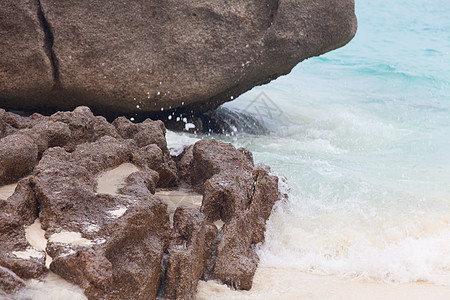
pixel 146 56
pixel 26 71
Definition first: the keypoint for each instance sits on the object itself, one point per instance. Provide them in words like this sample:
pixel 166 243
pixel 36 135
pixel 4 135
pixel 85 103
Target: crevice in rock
pixel 211 262
pixel 32 185
pixel 48 45
pixel 273 10
pixel 164 262
pixel 253 191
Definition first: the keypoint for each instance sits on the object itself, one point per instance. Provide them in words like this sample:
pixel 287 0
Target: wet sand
pixel 110 181
pixel 7 190
pixel 282 283
pixel 181 197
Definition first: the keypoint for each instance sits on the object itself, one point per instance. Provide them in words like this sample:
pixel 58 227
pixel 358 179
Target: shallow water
pixel 363 136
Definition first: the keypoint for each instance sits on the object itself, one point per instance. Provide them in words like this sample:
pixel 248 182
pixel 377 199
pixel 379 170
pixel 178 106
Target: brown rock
pixel 183 162
pixel 240 195
pixel 99 127
pixel 120 240
pixel 17 212
pixel 168 175
pixel 188 252
pixel 145 133
pixel 128 264
pixel 22 203
pixel 103 154
pixel 226 194
pixel 16 121
pixel 84 126
pixel 121 256
pixel 18 156
pixel 265 194
pixel 9 281
pixel 90 271
pixel 136 252
pixel 236 259
pixel 141 183
pixel 150 156
pixel 2 123
pixel 211 157
pixel 48 134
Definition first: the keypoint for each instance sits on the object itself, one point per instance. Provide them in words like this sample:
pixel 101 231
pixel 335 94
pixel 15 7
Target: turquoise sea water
pixel 363 136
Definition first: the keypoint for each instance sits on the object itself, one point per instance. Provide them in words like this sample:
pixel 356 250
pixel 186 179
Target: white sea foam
pixel 188 126
pixel 176 151
pixel 51 287
pixel 290 283
pixel 385 245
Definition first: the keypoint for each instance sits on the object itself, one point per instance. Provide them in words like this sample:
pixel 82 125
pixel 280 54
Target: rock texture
pixel 121 245
pixel 9 281
pixel 26 73
pixel 18 156
pixel 189 250
pixel 144 56
pixel 242 196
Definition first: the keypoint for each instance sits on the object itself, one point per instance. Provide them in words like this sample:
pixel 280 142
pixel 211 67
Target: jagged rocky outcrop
pixel 143 56
pixel 122 245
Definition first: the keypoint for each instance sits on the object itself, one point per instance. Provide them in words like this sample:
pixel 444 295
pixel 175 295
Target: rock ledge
pixel 121 245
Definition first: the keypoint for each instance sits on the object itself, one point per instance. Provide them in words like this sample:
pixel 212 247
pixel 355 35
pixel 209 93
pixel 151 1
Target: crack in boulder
pixel 48 44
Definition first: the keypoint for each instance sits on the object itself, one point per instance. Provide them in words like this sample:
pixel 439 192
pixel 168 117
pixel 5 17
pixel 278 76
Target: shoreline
pixel 272 282
pixel 284 283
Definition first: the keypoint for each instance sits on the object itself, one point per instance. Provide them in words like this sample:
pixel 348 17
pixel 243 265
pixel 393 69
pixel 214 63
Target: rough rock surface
pixel 9 281
pixel 17 212
pixel 26 73
pixel 189 250
pixel 242 196
pixel 18 156
pixel 144 56
pixel 183 162
pixel 121 245
pixel 211 157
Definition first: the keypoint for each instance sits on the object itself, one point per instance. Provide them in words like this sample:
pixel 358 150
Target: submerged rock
pixel 119 244
pixel 143 56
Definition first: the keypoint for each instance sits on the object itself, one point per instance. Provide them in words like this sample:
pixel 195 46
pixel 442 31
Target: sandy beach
pixel 283 283
pixel 7 190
